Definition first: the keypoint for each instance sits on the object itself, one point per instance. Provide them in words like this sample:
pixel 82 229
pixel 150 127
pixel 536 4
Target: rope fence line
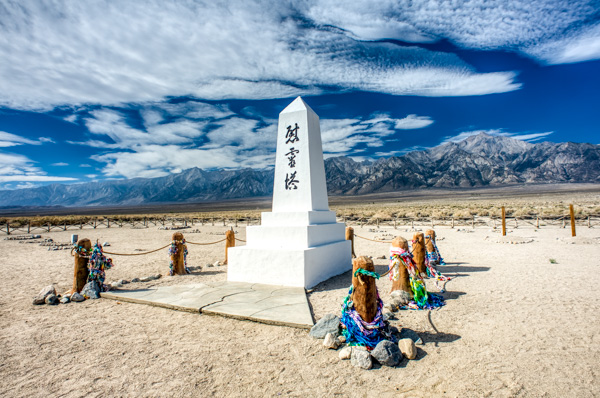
pixel 373 240
pixel 137 254
pixel 205 244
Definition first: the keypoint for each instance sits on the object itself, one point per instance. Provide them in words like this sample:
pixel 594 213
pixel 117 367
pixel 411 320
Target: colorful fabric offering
pixel 422 299
pixel 173 250
pixel 98 265
pixel 360 333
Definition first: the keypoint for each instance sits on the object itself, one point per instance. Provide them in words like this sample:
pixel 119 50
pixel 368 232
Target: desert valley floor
pixel 515 324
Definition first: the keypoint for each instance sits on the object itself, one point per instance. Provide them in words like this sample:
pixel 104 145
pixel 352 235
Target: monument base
pixel 289 267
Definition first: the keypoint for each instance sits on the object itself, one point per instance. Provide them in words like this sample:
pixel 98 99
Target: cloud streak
pixel 66 54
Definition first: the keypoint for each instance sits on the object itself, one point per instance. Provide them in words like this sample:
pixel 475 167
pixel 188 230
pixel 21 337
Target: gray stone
pixel 387 316
pixel 45 292
pixel 361 359
pixel 408 348
pixel 76 297
pixel 341 338
pixel 411 334
pixel 123 281
pixel 400 297
pixel 345 353
pixel 135 280
pixel 387 353
pixel 51 299
pixel 65 300
pixel 328 324
pixel 91 290
pixel 331 341
pixel 388 307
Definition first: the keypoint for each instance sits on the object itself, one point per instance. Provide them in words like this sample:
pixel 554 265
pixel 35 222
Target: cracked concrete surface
pixel 277 305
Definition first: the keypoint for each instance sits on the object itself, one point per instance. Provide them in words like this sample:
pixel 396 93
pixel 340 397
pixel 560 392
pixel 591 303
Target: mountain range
pixel 478 161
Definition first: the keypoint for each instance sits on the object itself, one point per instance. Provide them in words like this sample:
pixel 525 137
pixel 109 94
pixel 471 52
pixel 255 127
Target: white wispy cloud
pixel 529 137
pixel 19 168
pixel 554 31
pixel 413 122
pixel 8 140
pixel 60 164
pixel 111 53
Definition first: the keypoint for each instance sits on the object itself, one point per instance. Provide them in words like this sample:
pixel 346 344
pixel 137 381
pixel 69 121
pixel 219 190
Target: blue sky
pixel 101 90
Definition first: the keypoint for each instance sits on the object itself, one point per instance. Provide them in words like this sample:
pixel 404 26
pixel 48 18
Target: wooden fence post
pixel 7 228
pixel 48 227
pixel 589 224
pixel 395 222
pixel 503 221
pixel 473 222
pixel 572 213
pixel 350 237
pixel 537 222
pixel 516 222
pixel 229 242
pixel 29 226
pixel 494 219
pixel 108 223
pixel 452 222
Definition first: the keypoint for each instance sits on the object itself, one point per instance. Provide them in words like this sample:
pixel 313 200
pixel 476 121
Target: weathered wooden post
pixel 29 225
pixel 229 242
pixel 212 220
pixel 49 227
pixel 537 222
pixel 473 222
pixel 95 222
pixel 178 254
pixel 494 219
pixel 418 248
pixel 503 221
pixel 7 228
pixel 395 222
pixel 452 222
pixel 108 223
pixel 589 223
pixel 377 221
pixel 572 212
pixel 350 237
pixel 412 224
pixel 401 281
pixel 516 223
pixel 64 225
pixel 81 253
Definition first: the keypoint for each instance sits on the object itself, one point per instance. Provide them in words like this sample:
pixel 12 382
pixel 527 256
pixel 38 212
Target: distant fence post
pixel 503 221
pixel 29 226
pixel 473 222
pixel 572 212
pixel 7 228
pixel 589 224
pixel 350 237
pixel 452 222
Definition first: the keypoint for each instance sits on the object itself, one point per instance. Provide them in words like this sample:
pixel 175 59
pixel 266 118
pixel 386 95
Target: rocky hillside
pixel 480 160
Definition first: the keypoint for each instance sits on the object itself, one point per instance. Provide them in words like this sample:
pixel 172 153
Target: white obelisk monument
pixel 299 243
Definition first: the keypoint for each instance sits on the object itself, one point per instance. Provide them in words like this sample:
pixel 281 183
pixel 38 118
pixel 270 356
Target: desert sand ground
pixel 515 324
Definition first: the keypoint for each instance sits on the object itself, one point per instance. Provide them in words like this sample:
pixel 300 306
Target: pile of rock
pixel 48 296
pixel 23 237
pixel 386 353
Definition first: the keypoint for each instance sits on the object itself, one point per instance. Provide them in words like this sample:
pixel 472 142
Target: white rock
pixel 217 264
pixel 331 341
pixel 345 353
pixel 408 348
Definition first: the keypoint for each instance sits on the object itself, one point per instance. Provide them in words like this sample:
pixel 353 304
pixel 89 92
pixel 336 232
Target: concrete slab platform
pixel 275 305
